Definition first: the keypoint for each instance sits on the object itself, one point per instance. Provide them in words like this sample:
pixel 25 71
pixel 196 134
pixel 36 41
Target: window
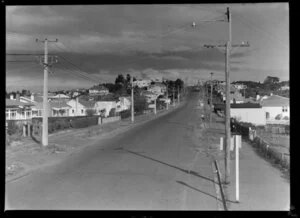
pixel 7 115
pixel 284 109
pixel 39 112
pixel 81 111
pixel 13 115
pixel 28 114
pixel 73 111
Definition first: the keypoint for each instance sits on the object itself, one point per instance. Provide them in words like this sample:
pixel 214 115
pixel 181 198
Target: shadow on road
pixel 185 184
pixel 175 167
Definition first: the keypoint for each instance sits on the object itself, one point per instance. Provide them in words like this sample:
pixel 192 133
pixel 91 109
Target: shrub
pixel 278 117
pixel 112 112
pixel 286 118
pixel 13 128
pixel 90 112
pixel 124 114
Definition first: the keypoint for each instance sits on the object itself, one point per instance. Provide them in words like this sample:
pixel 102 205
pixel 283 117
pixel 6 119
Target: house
pixel 17 110
pixel 285 87
pixel 239 86
pixel 79 106
pixel 98 90
pixel 58 97
pixel 106 106
pixel 276 106
pixel 142 83
pixel 245 112
pixel 59 109
pixel 150 96
pixel 235 97
pixel 124 103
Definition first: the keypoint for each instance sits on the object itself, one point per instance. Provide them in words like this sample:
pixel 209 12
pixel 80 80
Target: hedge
pixel 61 123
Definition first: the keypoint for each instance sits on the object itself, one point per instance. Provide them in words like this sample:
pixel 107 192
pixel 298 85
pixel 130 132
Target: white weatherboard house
pixel 124 103
pixel 276 105
pixel 98 90
pixel 78 107
pixel 250 113
pixel 142 83
pixel 105 105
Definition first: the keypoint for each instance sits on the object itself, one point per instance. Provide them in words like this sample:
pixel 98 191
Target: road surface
pixel 154 166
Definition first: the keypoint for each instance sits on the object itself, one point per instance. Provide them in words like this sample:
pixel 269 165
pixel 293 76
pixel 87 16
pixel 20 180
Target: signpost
pixel 236 142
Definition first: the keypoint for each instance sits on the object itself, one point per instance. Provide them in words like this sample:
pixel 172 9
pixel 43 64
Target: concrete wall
pixel 110 119
pixel 256 116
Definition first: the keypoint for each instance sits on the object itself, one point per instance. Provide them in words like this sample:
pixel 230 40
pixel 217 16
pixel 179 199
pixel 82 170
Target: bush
pixel 90 112
pixel 125 114
pixel 112 112
pixel 13 128
pixel 278 117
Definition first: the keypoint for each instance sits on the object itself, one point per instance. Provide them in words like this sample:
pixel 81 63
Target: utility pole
pixel 178 94
pixel 173 96
pixel 167 97
pixel 211 90
pixel 155 106
pixel 45 93
pixel 132 101
pixel 228 47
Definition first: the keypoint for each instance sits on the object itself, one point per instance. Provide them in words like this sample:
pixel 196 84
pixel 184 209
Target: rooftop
pixel 16 103
pixel 275 101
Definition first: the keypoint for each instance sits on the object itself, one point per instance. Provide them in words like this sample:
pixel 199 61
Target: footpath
pixel 262 186
pixel 25 156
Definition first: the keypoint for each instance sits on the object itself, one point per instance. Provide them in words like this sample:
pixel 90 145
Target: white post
pixel 221 144
pixel 45 97
pixel 237 147
pixel 154 106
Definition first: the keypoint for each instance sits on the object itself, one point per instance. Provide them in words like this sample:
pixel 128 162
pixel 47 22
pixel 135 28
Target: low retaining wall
pixel 110 119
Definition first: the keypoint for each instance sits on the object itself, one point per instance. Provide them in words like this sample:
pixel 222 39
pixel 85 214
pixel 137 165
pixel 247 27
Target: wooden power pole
pixel 211 90
pixel 132 101
pixel 45 92
pixel 228 47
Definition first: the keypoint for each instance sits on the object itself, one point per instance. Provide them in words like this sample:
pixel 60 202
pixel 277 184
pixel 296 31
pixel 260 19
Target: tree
pixel 140 103
pixel 120 79
pixel 271 79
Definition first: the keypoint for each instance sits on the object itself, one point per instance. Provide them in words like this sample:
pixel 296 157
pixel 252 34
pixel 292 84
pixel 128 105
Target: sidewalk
pixel 262 186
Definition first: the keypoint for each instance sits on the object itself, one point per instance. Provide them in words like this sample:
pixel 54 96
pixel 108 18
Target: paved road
pixel 154 166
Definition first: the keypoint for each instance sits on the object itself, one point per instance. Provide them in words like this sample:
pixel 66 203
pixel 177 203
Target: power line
pixel 79 71
pixel 257 29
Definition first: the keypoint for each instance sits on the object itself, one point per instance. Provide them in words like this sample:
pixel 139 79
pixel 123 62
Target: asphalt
pixel 154 166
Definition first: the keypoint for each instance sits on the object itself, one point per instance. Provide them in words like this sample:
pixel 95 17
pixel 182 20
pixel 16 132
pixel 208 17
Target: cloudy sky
pixel 97 42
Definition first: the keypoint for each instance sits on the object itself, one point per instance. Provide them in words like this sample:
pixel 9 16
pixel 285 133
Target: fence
pixel 268 151
pixel 277 129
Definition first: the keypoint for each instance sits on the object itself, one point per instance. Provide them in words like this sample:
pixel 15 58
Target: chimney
pixel 18 96
pixel 32 97
pixel 11 97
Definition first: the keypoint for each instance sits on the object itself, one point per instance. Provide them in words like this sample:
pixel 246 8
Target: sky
pixel 98 42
